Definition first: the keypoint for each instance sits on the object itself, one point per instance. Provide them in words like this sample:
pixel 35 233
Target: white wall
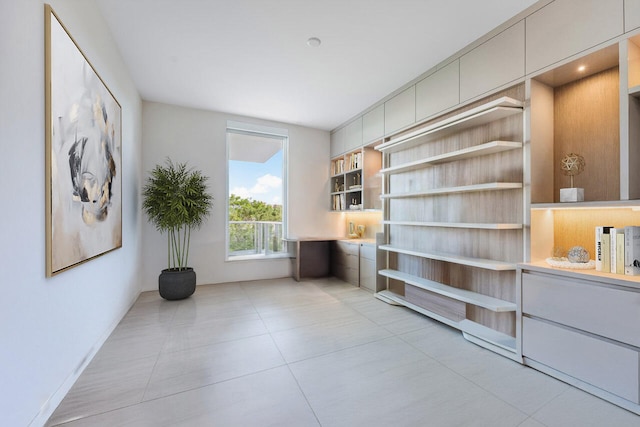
pixel 198 138
pixel 50 327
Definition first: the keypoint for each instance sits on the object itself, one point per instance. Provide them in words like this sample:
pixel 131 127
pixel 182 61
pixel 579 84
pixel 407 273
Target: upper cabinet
pixel 438 91
pixel 338 142
pixel 373 124
pixel 400 111
pixel 566 27
pixel 353 136
pixel 497 62
pixel 631 15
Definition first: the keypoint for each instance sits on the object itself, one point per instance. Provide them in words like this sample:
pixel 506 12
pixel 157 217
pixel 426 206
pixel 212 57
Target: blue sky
pixel 258 181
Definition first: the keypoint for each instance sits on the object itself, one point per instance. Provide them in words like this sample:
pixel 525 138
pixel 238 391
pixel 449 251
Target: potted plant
pixel 176 201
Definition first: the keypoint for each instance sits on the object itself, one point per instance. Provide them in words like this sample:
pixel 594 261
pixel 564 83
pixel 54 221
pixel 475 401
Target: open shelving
pixel 354 181
pixel 453 217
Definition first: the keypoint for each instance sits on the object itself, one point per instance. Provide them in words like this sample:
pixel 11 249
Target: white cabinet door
pixel 631 15
pixel 438 91
pixel 373 124
pixel 353 137
pixel 494 63
pixel 337 142
pixel 566 27
pixel 400 111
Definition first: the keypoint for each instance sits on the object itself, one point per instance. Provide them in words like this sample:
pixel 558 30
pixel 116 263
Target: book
pixel 598 250
pixel 620 252
pixel 614 232
pixel 606 249
pixel 632 251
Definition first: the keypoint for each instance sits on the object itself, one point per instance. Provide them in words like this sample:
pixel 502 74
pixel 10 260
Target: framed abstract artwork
pixel 83 155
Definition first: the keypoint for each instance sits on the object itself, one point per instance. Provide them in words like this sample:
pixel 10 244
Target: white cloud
pixel 267 188
pixel 266 183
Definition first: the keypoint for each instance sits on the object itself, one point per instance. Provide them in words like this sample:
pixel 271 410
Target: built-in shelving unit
pixel 453 218
pixel 355 183
pixel 565 314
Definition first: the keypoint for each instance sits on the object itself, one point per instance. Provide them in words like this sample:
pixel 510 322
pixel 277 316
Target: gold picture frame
pixel 83 155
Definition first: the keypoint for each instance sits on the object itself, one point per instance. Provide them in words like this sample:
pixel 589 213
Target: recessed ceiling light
pixel 582 68
pixel 313 42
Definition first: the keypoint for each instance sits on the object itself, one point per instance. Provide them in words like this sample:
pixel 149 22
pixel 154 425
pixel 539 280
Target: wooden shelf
pixel 492 147
pixel 490 303
pixel 483 226
pixel 472 331
pixel 491 186
pixel 486 113
pixel 487 264
pixel 635 91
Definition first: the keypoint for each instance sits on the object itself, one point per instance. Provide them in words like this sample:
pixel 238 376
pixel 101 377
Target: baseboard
pixel 51 404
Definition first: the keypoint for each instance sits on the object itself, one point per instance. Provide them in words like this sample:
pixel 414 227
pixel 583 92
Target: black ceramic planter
pixel 174 284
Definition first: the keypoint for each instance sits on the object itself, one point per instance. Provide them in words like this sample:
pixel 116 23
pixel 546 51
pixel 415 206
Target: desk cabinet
pixel 345 262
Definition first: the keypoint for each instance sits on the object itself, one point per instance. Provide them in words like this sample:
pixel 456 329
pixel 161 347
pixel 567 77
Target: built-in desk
pixel 310 257
pixel 321 257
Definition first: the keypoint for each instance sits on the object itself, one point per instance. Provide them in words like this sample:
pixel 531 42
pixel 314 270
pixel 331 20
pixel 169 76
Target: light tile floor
pixel 314 353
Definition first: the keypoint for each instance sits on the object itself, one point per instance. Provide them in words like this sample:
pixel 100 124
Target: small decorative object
pixel 577 259
pixel 572 164
pixel 578 254
pixel 361 229
pixel 352 231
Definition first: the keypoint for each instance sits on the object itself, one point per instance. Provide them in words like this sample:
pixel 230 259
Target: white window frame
pixel 267 131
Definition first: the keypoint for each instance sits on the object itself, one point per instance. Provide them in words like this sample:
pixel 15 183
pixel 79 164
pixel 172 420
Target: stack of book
pixel 618 250
pixel 355 161
pixel 337 167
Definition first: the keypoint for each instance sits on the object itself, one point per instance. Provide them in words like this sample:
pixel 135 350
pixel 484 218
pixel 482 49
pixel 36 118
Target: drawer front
pixel 347 260
pixel 349 275
pixel 368 251
pixel 346 247
pixel 600 363
pixel 606 311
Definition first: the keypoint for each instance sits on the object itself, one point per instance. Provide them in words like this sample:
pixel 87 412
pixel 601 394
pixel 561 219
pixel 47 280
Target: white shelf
pixel 490 186
pixel 612 204
pixel 490 303
pixel 487 264
pixel 492 147
pixel 486 337
pixel 474 225
pixel 635 91
pixel 486 113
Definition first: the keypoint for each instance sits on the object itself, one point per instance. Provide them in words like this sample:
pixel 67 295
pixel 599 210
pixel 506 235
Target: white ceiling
pixel 250 57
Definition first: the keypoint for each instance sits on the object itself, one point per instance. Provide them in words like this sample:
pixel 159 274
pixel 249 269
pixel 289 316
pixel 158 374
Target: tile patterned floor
pixel 314 353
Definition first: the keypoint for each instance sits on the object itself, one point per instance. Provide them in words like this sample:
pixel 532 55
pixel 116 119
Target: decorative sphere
pixel 578 254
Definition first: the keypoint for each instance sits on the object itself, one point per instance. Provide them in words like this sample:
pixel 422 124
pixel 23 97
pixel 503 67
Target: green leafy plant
pixel 176 201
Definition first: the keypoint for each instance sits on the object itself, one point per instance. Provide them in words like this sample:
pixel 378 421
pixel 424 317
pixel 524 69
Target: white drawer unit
pixel 583 329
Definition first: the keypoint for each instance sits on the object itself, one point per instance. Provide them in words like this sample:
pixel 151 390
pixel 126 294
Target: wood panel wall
pixel 586 117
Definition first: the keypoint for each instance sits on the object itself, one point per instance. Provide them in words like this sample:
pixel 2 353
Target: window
pixel 256 191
